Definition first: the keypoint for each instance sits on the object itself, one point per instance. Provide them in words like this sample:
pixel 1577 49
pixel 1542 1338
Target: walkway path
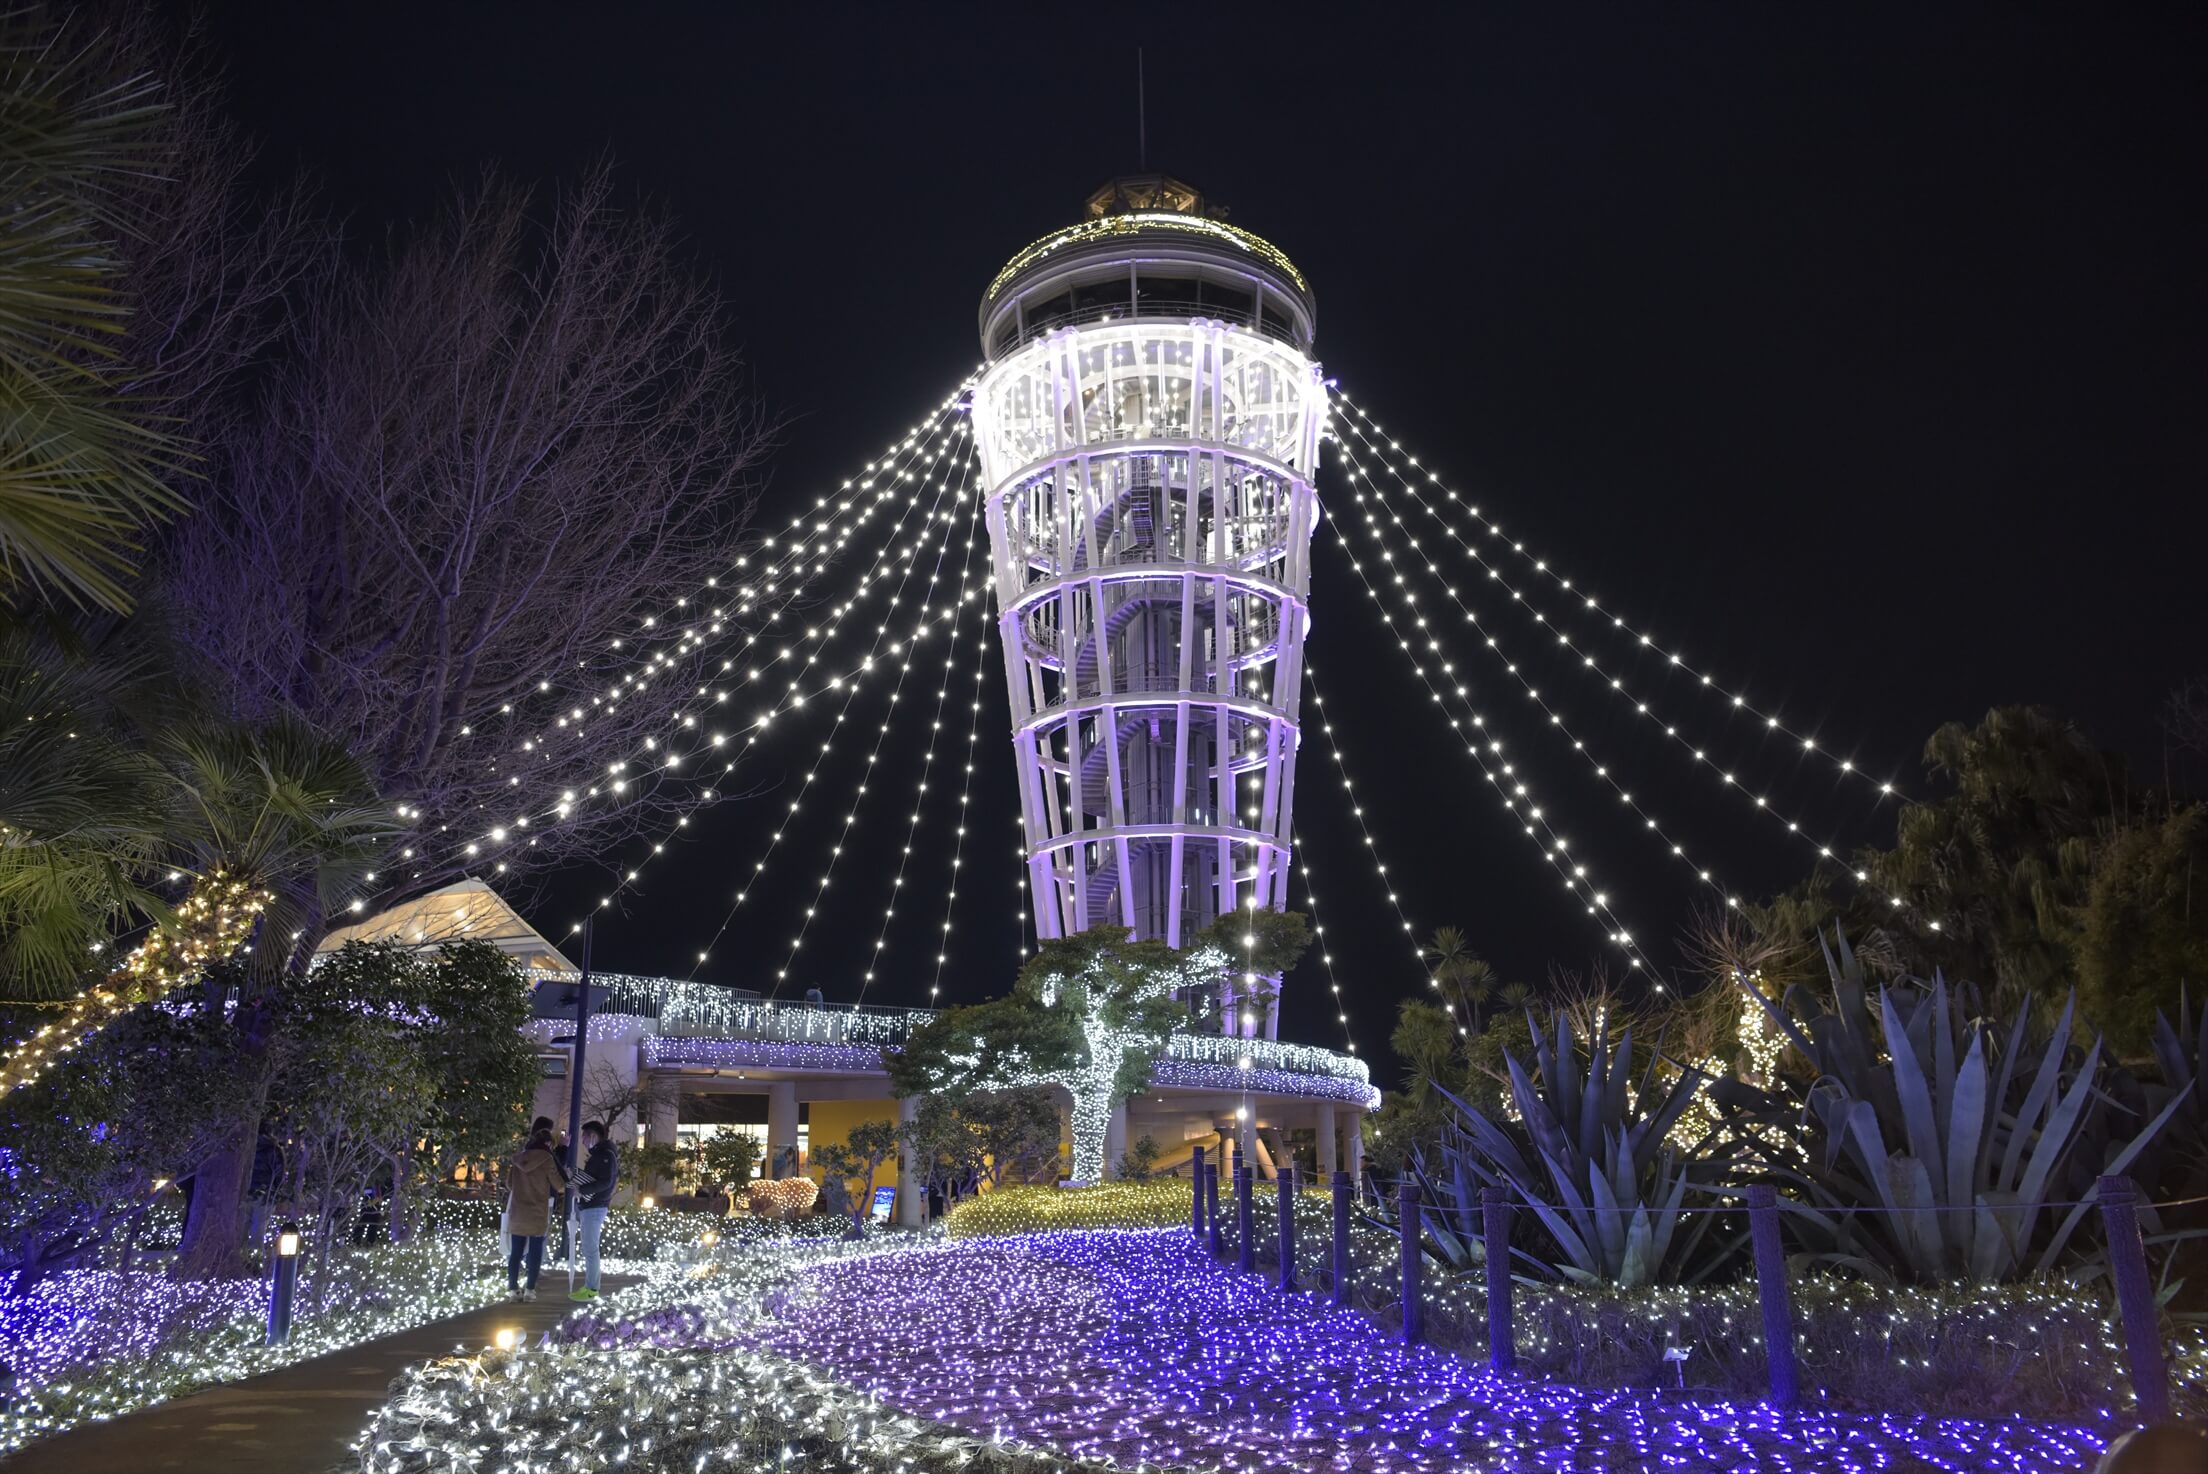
pixel 295 1421
pixel 1138 1347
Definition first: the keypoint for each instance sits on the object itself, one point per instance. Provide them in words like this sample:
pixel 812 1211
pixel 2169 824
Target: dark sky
pixel 1858 352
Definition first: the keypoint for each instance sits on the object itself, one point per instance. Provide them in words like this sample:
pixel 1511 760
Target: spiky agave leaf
pixel 1588 1159
pixel 1959 1157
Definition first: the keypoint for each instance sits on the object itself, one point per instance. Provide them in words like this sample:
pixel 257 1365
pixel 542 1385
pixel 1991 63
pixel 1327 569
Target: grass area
pixel 1008 1210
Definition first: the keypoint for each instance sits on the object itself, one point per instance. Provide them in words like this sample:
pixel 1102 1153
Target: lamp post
pixel 287 1281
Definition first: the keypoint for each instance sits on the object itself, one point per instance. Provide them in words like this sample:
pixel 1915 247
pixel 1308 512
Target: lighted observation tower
pixel 1149 425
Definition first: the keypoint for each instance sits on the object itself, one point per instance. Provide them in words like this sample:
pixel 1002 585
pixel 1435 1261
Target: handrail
pixel 708 1010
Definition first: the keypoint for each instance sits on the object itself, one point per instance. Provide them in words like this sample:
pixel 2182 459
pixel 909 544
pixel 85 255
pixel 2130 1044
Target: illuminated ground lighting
pixel 1140 1348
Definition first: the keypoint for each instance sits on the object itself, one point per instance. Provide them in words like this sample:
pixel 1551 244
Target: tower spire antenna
pixel 1142 117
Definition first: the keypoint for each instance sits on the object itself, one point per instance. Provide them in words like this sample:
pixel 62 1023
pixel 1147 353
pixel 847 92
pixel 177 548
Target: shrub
pixel 782 1197
pixel 1010 1210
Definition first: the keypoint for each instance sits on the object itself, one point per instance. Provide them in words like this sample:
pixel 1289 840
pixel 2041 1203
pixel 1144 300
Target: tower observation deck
pixel 1148 422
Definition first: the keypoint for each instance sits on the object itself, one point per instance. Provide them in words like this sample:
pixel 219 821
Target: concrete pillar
pixel 1328 1159
pixel 781 1121
pixel 1115 1139
pixel 912 1193
pixel 1353 1135
pixel 665 1112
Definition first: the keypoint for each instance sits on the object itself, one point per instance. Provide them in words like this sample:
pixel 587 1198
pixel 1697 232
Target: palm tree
pixel 78 797
pixel 1459 974
pixel 82 469
pixel 271 828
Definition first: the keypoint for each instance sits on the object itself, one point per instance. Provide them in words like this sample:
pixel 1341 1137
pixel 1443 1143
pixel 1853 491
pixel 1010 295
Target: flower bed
pixel 1015 1210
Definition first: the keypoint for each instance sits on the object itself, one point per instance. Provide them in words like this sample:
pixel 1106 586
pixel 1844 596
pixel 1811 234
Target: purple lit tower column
pixel 1149 424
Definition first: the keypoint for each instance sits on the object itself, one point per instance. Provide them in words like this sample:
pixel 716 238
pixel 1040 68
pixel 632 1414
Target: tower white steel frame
pixel 1148 424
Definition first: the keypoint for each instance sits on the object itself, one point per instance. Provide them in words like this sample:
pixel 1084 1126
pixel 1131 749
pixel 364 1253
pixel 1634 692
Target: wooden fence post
pixel 1342 1191
pixel 1286 1186
pixel 1245 1251
pixel 1414 1309
pixel 1196 1193
pixel 1778 1311
pixel 1502 1345
pixel 2127 1265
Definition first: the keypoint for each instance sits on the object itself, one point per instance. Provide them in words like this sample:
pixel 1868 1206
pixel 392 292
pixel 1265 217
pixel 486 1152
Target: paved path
pixel 295 1421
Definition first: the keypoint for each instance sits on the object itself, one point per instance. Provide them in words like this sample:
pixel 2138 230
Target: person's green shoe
pixel 583 1292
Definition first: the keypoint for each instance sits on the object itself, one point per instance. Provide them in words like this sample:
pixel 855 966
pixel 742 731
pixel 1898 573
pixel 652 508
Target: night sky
pixel 1857 354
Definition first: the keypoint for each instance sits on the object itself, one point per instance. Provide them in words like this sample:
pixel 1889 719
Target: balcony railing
pixel 708 1011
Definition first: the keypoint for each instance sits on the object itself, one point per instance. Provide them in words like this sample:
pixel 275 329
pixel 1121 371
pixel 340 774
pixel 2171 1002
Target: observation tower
pixel 1148 420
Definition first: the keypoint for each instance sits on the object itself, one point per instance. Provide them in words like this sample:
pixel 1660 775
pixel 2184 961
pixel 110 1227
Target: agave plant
pixel 1974 1147
pixel 2181 1053
pixel 1588 1157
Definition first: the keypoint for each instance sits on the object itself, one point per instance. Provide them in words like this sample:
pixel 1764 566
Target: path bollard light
pixel 644 1204
pixel 1342 1191
pixel 286 1282
pixel 1287 1195
pixel 1196 1196
pixel 1211 1212
pixel 506 1338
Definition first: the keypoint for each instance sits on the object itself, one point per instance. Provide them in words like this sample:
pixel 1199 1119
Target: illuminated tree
pixel 1089 1014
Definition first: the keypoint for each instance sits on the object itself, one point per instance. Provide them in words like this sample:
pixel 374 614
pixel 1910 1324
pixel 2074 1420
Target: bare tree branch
pixel 483 469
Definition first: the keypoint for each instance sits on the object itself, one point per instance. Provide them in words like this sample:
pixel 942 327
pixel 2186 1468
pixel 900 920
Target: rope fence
pixel 1227 1234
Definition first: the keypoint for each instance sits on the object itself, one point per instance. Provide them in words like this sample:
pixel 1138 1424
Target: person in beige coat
pixel 532 1177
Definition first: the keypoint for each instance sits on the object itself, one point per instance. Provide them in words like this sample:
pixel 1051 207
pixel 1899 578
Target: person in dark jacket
pixel 594 1196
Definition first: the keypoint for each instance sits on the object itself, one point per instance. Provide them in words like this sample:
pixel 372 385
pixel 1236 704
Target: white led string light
pixel 850 690
pixel 1357 811
pixel 927 769
pixel 1556 720
pixel 1555 848
pixel 952 520
pixel 796 697
pixel 1370 432
pixel 500 838
pixel 1326 953
pixel 1616 686
pixel 890 464
pixel 945 428
pixel 981 597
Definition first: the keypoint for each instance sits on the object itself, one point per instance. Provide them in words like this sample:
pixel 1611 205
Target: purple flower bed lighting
pixel 1135 1346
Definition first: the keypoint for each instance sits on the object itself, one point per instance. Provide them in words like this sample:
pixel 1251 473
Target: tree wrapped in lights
pixel 272 823
pixel 1089 1014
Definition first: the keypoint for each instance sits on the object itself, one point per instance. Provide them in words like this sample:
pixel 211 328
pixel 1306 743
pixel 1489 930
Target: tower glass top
pixel 1149 246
